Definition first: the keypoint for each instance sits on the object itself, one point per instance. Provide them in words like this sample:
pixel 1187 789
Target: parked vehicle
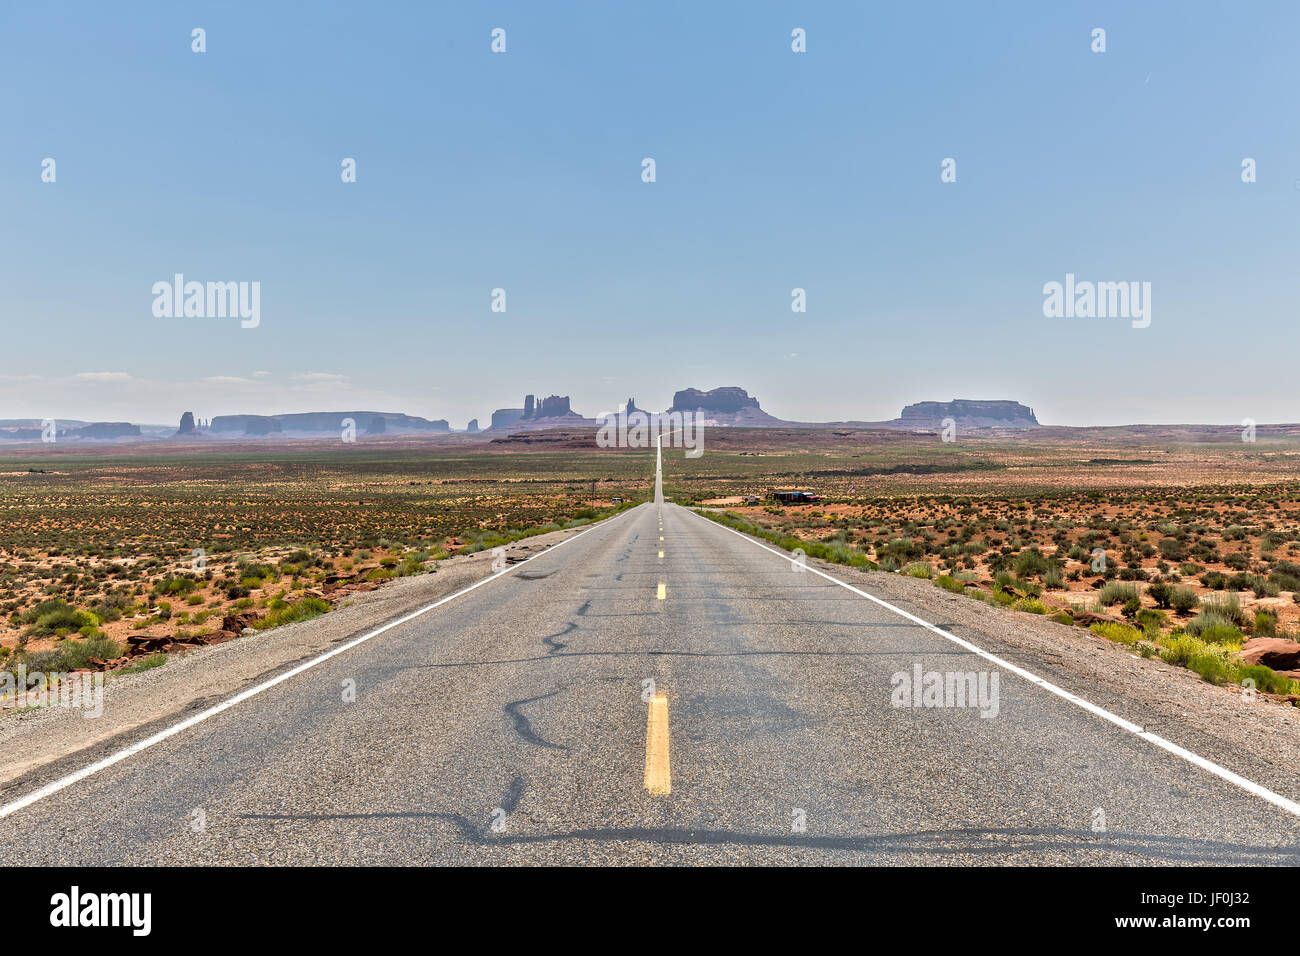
pixel 796 497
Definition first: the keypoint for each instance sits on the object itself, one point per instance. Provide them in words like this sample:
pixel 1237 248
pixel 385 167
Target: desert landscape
pixel 1182 543
pixel 114 561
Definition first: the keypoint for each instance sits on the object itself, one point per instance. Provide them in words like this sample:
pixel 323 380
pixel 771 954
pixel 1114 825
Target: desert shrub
pixel 145 663
pixel 1031 605
pixel 111 607
pixel 1214 580
pixel 1269 680
pixel 263 572
pixel 303 610
pixel 1286 575
pixel 1227 606
pixel 901 550
pixel 298 558
pixel 1150 620
pixel 1030 562
pixel 1171 549
pixel 1214 664
pixel 1115 592
pixel 1207 619
pixel 175 587
pixel 1183 599
pixel 1159 592
pixel 1221 634
pixel 76 654
pixel 1119 633
pixel 54 617
pixel 950 584
pixel 919 570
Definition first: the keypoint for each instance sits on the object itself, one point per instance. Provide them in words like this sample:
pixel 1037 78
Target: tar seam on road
pixel 141 745
pixel 1279 801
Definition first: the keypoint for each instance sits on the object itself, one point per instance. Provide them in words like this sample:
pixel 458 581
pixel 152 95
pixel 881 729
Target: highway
pixel 517 724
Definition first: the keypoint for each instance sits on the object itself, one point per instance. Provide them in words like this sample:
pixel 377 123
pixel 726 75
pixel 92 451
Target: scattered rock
pixel 237 623
pixel 1275 652
pixel 145 643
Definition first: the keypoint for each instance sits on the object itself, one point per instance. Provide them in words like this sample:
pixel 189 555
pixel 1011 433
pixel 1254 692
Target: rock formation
pixel 554 406
pixel 325 424
pixel 968 413
pixel 106 431
pixel 727 400
pixel 505 417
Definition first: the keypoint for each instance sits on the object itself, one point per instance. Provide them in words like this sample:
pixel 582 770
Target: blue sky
pixel 775 170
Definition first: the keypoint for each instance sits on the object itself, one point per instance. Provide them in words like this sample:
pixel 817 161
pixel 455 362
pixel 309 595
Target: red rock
pixel 1275 652
pixel 217 637
pixel 235 623
pixel 144 643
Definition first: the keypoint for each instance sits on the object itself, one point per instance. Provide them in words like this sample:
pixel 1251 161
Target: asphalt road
pixel 510 726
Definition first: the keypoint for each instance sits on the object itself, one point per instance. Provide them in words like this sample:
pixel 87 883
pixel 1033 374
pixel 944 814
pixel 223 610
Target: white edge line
pixel 1290 806
pixel 140 745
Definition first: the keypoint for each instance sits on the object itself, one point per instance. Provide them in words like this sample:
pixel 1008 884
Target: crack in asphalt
pixel 553 655
pixel 523 727
pixel 557 646
pixel 977 840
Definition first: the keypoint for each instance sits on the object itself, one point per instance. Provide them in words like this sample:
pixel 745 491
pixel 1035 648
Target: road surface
pixel 514 724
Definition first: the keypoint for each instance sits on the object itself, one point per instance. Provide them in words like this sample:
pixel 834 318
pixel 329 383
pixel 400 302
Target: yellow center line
pixel 663 591
pixel 661 554
pixel 658 772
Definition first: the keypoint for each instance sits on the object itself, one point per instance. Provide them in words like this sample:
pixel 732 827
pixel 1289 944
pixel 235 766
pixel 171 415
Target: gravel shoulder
pixel 46 742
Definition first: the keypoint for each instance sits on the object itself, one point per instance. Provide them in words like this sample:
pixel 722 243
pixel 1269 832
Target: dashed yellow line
pixel 661 554
pixel 663 591
pixel 658 767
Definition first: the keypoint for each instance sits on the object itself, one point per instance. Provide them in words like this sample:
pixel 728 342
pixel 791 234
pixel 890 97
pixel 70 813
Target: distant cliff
pixel 106 431
pixel 727 405
pixel 324 423
pixel 968 413
pixel 727 400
